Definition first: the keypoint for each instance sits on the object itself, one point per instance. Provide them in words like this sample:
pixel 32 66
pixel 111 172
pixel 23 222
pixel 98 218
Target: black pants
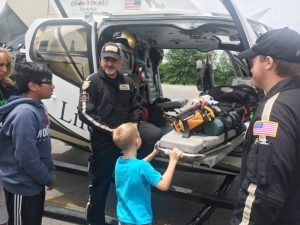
pixel 101 167
pixel 25 210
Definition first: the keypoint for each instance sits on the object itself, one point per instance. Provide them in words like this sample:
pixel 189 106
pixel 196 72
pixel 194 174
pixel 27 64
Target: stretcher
pixel 200 148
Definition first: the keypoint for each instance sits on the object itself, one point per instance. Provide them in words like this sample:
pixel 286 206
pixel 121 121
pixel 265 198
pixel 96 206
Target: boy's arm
pixel 154 153
pixel 24 138
pixel 165 182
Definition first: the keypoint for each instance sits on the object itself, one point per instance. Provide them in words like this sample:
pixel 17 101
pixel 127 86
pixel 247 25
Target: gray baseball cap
pixel 111 50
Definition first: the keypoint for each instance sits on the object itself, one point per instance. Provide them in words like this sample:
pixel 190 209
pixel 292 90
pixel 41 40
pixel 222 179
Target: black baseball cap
pixel 111 50
pixel 282 43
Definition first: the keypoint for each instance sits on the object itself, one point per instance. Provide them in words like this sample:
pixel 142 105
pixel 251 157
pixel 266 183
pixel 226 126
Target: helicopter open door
pixel 68 47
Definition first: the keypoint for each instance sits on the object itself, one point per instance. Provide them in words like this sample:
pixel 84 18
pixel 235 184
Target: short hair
pixel 124 136
pixel 27 72
pixel 287 68
pixel 284 68
pixel 5 55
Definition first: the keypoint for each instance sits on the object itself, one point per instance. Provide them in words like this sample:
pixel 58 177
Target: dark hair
pixel 27 72
pixel 286 68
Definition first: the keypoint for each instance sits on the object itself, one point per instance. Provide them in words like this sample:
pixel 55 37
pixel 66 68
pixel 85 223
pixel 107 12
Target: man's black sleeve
pixel 87 106
pixel 270 168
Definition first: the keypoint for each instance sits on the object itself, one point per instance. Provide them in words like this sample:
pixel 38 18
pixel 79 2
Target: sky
pixel 282 13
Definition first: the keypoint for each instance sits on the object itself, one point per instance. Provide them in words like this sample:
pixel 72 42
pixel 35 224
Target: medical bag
pixel 240 98
pixel 192 118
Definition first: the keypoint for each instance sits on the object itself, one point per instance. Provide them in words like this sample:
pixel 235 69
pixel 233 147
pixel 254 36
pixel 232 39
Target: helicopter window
pixel 65 50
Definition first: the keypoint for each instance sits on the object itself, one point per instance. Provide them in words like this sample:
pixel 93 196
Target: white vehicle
pixel 71 47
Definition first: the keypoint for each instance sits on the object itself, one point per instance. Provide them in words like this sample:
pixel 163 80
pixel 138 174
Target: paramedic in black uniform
pixel 270 174
pixel 108 99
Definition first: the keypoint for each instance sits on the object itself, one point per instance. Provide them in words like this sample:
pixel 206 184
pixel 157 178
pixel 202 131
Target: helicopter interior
pixel 143 46
pixel 65 47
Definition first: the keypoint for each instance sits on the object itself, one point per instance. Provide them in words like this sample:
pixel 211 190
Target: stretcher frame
pixel 211 157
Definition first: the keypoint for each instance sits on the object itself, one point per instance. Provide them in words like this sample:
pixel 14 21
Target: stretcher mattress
pixel 195 144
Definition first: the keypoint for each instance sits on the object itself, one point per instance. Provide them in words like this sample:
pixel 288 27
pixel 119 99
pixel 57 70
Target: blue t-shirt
pixel 133 179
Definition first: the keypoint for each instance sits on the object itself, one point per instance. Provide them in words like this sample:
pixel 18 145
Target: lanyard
pixel 3 101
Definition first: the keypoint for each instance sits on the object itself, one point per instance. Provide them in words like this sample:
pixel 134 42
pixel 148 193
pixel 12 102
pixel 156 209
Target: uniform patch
pixel 84 97
pixel 111 48
pixel 265 128
pixel 85 85
pixel 124 87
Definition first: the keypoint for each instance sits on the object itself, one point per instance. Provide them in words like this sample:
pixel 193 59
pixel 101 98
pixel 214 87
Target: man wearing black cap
pixel 270 173
pixel 107 100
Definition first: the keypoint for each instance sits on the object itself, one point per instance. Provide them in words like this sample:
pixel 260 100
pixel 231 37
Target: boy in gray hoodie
pixel 26 166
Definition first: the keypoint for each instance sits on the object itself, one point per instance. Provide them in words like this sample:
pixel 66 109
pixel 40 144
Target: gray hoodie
pixel 26 165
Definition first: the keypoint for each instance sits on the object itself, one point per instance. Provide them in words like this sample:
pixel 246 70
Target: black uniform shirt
pixel 107 103
pixel 270 174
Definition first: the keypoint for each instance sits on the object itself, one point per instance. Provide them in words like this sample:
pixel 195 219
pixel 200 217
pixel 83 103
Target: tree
pixel 180 67
pixel 222 69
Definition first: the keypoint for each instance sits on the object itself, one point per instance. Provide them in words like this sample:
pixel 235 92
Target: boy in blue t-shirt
pixel 134 177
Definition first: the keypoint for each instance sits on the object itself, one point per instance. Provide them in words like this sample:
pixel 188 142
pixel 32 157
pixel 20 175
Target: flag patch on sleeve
pixel 265 128
pixel 84 97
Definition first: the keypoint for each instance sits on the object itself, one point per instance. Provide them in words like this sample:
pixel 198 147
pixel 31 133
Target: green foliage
pixel 222 69
pixel 180 67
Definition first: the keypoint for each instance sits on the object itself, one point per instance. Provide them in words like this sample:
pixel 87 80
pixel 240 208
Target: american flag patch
pixel 132 4
pixel 84 97
pixel 265 128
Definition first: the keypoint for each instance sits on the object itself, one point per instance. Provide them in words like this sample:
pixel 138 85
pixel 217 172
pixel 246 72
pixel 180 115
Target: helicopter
pixel 70 37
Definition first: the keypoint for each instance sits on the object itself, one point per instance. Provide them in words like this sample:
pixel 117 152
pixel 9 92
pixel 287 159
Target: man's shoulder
pixel 94 76
pixel 91 80
pixel 289 97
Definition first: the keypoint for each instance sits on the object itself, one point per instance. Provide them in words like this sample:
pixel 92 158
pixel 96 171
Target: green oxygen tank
pixel 235 118
pixel 214 127
pixel 217 126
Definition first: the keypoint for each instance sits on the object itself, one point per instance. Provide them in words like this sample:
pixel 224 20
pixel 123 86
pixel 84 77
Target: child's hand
pixel 155 149
pixel 175 154
pixel 52 185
